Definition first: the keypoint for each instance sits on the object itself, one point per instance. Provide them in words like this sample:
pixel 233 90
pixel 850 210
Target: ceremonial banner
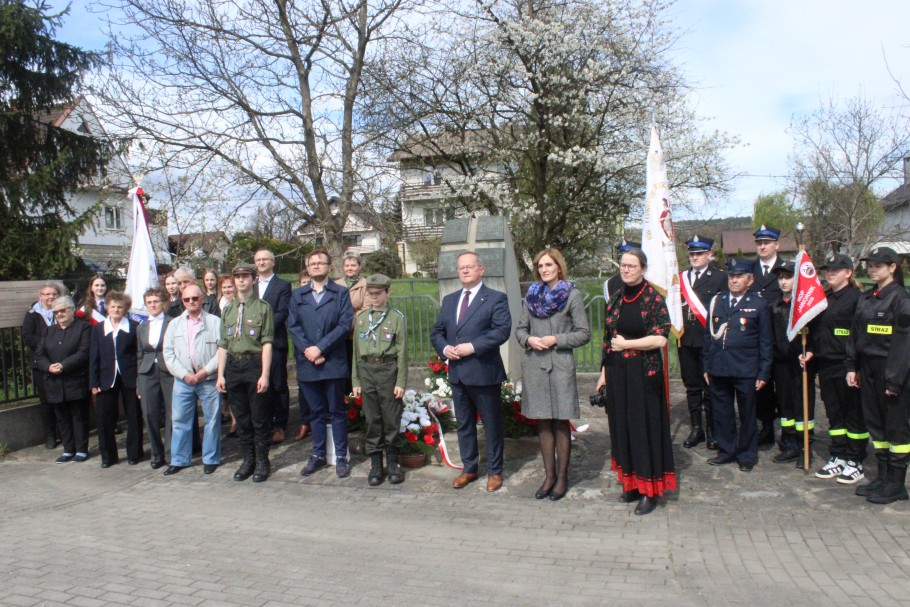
pixel 657 239
pixel 142 273
pixel 808 299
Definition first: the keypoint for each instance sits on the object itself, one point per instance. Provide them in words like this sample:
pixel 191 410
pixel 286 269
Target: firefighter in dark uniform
pixel 877 363
pixel 615 283
pixel 788 372
pixel 765 283
pixel 737 355
pixel 832 330
pixel 700 283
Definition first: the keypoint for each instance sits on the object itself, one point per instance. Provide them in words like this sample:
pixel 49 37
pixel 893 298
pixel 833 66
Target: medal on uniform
pixel 362 335
pixel 742 322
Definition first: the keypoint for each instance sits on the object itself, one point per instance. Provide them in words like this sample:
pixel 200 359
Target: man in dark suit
pixel 738 351
pixel 699 284
pixel 472 323
pixel 154 383
pixel 766 245
pixel 277 293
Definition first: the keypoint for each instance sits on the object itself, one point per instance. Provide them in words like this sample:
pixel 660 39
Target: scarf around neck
pixel 543 302
pixel 47 315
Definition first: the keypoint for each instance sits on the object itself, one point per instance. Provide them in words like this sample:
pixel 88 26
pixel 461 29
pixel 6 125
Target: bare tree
pixel 270 88
pixel 843 155
pixel 273 220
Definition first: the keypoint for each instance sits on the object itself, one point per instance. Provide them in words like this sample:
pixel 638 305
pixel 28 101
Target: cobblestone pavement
pixel 74 534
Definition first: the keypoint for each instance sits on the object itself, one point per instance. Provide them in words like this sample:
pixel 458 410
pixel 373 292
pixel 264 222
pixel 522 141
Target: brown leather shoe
pixel 277 436
pixel 463 479
pixel 494 482
pixel 303 433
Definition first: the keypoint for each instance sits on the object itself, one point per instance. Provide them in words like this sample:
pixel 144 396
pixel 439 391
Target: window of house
pixel 319 241
pixel 352 240
pixel 428 176
pixel 435 217
pixel 437 177
pixel 112 218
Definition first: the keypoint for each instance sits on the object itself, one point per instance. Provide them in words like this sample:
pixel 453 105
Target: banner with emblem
pixel 808 299
pixel 657 238
pixel 142 273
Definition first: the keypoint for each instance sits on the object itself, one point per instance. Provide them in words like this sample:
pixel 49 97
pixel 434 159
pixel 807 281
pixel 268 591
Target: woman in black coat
pixel 113 369
pixel 62 357
pixel 34 327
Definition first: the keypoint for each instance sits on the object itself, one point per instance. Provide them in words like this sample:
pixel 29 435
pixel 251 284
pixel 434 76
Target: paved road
pixel 77 535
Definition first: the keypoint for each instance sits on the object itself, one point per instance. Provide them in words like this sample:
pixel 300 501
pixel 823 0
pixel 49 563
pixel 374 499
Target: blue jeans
pixel 183 409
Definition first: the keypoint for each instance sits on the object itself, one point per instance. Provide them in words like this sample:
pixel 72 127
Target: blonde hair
pixel 556 256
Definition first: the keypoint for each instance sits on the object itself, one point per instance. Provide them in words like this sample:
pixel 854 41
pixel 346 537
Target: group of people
pixel 740 370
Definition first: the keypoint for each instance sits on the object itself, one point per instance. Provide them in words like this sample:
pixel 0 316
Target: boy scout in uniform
pixel 379 374
pixel 244 362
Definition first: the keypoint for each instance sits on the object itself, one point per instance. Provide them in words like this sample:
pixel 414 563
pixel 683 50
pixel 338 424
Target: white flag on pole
pixel 657 240
pixel 142 273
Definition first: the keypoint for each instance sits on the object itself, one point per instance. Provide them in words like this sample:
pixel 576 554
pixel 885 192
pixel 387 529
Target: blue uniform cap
pixel 625 245
pixel 739 265
pixel 766 233
pixel 699 243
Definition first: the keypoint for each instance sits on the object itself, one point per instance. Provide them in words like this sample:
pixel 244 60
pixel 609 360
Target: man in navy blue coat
pixel 472 323
pixel 276 292
pixel 738 352
pixel 320 318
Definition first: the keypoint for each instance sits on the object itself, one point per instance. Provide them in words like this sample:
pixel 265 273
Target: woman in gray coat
pixel 553 323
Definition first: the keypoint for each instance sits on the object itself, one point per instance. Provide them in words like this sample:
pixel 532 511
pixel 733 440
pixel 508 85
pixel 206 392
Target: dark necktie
pixel 463 310
pixel 695 278
pixel 764 271
pixel 101 307
pixel 734 302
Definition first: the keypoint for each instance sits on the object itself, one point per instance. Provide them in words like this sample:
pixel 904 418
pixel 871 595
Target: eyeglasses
pixel 467 268
pixel 191 299
pixel 628 266
pixel 63 311
pixel 51 294
pixel 316 264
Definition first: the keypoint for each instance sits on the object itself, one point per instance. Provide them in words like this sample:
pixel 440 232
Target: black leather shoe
pixel 696 436
pixel 786 455
pixel 646 505
pixel 555 496
pixel 720 461
pixel 627 497
pixel 173 470
pixel 133 462
pixel 209 468
pixel 544 491
pixel 105 465
pixel 746 467
pixel 711 445
pixel 156 465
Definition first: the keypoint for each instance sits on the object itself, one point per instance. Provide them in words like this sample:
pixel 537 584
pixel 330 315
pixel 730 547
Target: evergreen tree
pixel 39 162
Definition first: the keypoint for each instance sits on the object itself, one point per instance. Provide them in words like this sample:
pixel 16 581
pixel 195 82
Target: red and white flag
pixel 142 272
pixel 657 238
pixel 808 299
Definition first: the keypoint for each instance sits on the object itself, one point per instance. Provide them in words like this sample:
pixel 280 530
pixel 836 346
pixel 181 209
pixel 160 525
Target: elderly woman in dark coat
pixel 552 324
pixel 62 357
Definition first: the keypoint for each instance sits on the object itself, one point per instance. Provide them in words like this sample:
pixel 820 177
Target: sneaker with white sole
pixel 852 473
pixel 831 469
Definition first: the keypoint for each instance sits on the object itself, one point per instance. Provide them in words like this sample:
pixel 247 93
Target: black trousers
pixel 886 417
pixel 48 415
pixel 692 370
pixel 726 394
pixel 788 385
pixel 278 394
pixel 106 404
pixel 73 419
pixel 766 406
pixel 251 409
pixel 844 409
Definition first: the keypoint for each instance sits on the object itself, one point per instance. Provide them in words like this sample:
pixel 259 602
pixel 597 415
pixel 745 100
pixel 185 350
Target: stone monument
pixel 490 238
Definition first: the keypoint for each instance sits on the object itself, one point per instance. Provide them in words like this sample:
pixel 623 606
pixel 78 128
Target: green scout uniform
pixel 380 363
pixel 245 327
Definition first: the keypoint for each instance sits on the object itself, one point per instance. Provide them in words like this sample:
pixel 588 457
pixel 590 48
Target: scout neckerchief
pixel 239 328
pixel 371 330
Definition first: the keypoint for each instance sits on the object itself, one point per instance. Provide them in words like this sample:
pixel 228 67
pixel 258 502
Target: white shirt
pixel 123 325
pixel 473 291
pixel 263 284
pixel 155 325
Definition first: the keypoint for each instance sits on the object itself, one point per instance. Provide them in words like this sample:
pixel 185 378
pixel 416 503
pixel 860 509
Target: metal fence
pixel 16 366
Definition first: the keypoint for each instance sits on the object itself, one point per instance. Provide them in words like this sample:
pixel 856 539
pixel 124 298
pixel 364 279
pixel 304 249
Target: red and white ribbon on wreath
pixel 443 450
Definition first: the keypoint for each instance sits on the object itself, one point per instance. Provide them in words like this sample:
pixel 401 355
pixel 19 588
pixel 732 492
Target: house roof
pixel 898 197
pixel 476 142
pixel 742 241
pixel 58 114
pixel 357 210
pixel 210 240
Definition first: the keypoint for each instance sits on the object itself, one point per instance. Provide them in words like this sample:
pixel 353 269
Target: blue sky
pixel 756 64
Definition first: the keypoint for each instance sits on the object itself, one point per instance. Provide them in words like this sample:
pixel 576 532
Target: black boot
pixel 263 465
pixel 789 450
pixel 396 476
pixel 697 432
pixel 249 464
pixel 894 488
pixel 876 484
pixel 646 505
pixel 375 477
pixel 710 443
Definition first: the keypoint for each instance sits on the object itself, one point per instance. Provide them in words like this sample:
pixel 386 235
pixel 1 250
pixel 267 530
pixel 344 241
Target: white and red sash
pixel 695 306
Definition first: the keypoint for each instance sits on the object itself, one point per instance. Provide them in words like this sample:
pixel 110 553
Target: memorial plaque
pixel 447 265
pixel 456 231
pixel 494 262
pixel 490 228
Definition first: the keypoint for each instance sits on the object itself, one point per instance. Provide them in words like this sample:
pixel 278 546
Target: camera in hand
pixel 599 398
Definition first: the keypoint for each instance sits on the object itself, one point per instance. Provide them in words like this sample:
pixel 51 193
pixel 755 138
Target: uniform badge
pixel 252 332
pixel 388 337
pixel 362 335
pixel 230 331
pixel 742 322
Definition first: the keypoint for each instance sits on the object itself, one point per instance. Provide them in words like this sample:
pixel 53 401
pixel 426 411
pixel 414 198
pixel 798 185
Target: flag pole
pixel 806 454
